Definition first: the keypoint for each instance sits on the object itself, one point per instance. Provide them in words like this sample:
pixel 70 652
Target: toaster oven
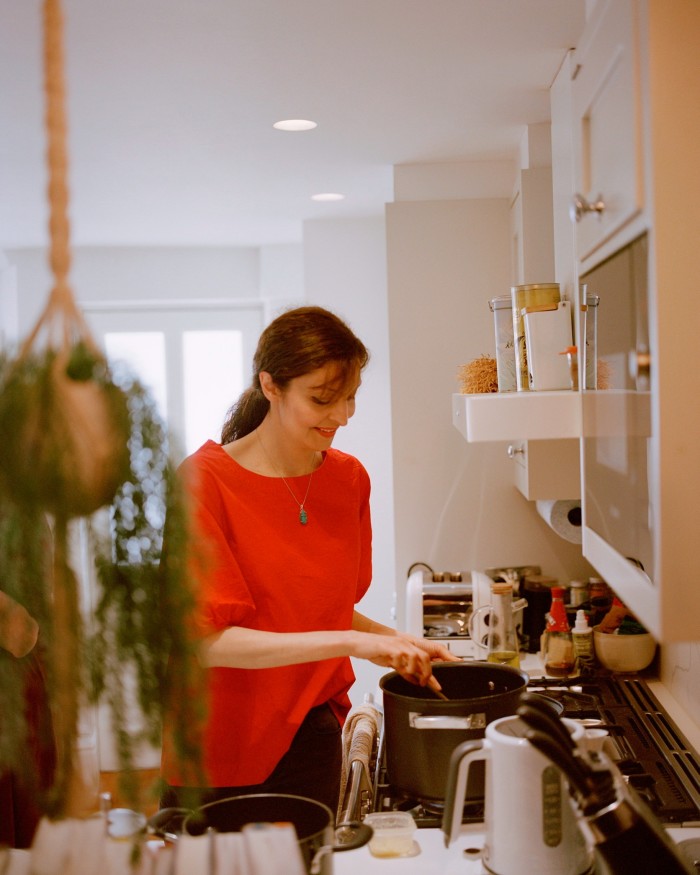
pixel 440 604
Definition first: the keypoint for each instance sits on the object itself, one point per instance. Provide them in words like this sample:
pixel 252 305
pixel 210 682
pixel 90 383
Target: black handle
pixel 643 850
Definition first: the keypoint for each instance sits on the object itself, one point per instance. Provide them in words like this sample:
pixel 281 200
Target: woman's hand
pixel 409 656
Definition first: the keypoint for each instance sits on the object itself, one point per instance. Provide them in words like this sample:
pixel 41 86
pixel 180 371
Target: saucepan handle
pixel 477 720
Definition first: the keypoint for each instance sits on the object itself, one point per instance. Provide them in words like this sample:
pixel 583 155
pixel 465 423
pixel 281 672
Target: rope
pixel 61 318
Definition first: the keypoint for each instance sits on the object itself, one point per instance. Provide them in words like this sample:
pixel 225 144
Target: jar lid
pixel 529 286
pixel 501 588
pixel 501 302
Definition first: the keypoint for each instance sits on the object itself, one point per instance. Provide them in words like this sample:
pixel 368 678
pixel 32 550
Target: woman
pixel 285 523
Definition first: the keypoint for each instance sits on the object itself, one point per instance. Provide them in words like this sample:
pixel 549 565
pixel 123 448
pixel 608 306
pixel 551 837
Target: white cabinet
pixel 542 429
pixel 512 416
pixel 607 116
pixel 547 469
pixel 632 103
pixel 643 88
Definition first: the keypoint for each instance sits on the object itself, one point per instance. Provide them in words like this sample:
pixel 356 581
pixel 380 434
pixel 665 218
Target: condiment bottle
pixel 502 641
pixel 582 636
pixel 558 653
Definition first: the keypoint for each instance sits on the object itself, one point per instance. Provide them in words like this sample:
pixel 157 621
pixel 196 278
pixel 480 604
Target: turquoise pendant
pixel 303 517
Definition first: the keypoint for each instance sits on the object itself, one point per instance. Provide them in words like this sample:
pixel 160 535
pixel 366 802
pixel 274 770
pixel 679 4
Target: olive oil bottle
pixel 502 641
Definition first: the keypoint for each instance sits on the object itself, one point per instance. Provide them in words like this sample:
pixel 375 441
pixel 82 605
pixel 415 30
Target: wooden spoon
pixel 435 687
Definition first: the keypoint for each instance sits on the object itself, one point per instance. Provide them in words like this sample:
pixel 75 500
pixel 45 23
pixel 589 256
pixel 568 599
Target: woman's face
pixel 314 406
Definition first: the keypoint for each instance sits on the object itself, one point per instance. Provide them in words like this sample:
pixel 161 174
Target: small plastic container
pixel 393 833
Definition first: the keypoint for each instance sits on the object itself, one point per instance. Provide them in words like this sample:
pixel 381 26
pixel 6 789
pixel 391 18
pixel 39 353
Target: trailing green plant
pixel 119 655
pixel 140 619
pixel 76 438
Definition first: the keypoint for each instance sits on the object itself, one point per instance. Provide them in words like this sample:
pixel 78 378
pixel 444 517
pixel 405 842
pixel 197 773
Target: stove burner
pixel 426 812
pixel 647 747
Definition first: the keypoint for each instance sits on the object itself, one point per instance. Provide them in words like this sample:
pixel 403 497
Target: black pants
pixel 310 768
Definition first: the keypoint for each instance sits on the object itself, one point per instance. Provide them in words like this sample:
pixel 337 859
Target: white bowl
pixel 623 653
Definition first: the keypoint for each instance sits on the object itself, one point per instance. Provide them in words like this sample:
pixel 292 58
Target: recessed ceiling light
pixel 328 196
pixel 295 124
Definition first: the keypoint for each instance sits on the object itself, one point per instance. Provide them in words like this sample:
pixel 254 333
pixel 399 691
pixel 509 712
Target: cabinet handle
pixel 580 206
pixel 515 451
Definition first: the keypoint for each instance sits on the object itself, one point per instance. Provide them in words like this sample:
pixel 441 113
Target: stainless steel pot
pixel 421 731
pixel 312 821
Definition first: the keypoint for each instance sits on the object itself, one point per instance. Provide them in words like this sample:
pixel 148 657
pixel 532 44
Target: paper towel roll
pixel 562 516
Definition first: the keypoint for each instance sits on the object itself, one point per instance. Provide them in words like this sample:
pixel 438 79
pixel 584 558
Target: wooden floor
pixel 145 780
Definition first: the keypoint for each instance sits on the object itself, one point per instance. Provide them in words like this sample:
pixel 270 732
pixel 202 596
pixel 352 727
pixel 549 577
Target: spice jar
pixel 578 593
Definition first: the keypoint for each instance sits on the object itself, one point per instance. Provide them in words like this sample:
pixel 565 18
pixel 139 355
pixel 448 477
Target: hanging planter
pixel 64 425
pixel 77 439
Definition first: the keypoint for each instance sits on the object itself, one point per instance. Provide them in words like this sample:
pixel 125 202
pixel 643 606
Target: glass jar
pixel 502 642
pixel 578 593
pixel 530 295
pixel 590 353
pixel 502 309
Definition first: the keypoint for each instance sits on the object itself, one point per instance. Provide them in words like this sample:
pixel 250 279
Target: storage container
pixel 530 295
pixel 590 322
pixel 502 309
pixel 547 336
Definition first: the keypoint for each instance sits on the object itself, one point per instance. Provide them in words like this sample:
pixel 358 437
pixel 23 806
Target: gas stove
pixel 648 748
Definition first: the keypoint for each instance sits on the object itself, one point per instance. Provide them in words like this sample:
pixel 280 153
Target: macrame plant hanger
pixel 60 328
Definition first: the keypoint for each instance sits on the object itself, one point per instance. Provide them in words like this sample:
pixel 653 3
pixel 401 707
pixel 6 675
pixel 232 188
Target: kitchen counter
pixel 434 859
pixel 431 858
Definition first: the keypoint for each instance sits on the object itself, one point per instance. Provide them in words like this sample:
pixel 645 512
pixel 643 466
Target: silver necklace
pixel 303 515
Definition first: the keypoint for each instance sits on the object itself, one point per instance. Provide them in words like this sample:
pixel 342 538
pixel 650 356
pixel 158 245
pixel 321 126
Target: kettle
pixel 528 814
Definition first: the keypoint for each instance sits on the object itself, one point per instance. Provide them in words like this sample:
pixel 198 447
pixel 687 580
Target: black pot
pixel 421 731
pixel 312 821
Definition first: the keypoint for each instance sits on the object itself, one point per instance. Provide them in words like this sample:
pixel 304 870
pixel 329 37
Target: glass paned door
pixel 195 360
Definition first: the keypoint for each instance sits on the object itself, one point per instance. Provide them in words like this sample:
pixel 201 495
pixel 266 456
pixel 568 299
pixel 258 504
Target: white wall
pixel 138 274
pixel 456 507
pixel 345 271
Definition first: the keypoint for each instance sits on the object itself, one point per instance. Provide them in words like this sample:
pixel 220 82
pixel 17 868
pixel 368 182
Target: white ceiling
pixel 171 105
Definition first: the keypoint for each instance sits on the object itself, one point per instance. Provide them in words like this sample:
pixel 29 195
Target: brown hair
pixel 297 342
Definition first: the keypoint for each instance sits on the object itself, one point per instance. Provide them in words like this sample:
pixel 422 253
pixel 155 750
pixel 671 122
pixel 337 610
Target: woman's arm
pixel 238 647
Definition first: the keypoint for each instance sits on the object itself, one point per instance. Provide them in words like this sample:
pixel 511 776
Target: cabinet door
pixel 606 97
pixel 547 469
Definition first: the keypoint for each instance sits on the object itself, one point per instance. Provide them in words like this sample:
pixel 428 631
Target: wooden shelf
pixel 517 416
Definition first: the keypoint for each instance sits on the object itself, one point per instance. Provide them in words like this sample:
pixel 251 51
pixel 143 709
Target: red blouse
pixel 264 570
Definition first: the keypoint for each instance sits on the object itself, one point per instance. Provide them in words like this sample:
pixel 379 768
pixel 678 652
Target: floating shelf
pixel 517 416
